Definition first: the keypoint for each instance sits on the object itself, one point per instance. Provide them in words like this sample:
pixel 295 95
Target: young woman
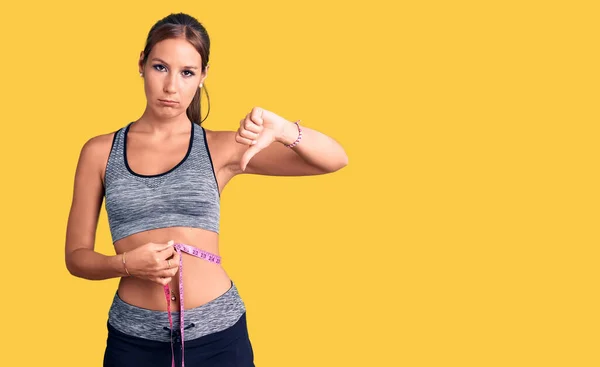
pixel 161 177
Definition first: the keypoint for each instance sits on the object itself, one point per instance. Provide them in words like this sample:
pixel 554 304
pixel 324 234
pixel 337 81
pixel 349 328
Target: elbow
pixel 71 268
pixel 71 265
pixel 342 162
pixel 338 164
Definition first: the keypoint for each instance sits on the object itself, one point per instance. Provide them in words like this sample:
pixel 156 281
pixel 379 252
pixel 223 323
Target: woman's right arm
pixel 88 192
pixel 148 261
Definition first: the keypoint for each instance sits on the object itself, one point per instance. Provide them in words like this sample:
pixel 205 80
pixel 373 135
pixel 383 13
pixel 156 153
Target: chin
pixel 167 112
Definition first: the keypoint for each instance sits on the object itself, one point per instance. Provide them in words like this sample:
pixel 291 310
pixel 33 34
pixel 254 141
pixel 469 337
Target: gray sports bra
pixel 187 195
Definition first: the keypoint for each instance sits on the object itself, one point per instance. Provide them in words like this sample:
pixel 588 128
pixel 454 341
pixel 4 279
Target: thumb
pixel 251 152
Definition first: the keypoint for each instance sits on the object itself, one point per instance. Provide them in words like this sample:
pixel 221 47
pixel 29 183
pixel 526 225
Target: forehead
pixel 176 51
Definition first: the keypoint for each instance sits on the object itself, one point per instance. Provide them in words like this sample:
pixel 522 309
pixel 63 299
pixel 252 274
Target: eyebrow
pixel 164 62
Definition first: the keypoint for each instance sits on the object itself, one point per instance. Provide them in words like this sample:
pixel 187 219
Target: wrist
pixel 291 135
pixel 120 264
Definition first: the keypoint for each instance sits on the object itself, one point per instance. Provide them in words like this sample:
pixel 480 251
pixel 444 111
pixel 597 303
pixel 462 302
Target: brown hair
pixel 183 26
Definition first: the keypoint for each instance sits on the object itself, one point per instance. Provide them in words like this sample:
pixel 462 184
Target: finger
pixel 251 152
pixel 169 247
pixel 167 273
pixel 162 281
pixel 175 260
pixel 163 246
pixel 252 126
pixel 160 261
pixel 243 140
pixel 244 121
pixel 165 281
pixel 248 134
pixel 172 262
pixel 256 115
pixel 166 253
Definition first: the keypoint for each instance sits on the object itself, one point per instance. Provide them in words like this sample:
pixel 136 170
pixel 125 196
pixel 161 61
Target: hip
pixel 216 315
pixel 228 347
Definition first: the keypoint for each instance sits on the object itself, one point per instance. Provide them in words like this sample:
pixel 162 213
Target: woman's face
pixel 172 75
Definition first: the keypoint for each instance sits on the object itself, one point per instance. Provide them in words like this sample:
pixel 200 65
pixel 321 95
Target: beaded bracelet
pixel 299 136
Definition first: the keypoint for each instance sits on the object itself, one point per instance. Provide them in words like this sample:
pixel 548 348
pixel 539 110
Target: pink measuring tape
pixel 180 247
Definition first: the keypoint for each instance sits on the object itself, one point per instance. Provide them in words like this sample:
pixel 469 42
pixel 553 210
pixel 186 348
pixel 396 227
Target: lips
pixel 168 102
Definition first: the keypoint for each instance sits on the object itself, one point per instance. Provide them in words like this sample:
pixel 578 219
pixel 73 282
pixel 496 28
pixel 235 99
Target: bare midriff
pixel 203 280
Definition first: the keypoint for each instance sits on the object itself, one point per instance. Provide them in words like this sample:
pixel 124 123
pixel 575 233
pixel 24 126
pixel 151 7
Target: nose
pixel 170 84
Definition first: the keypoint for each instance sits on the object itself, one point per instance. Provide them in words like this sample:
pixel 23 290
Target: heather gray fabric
pixel 187 195
pixel 216 315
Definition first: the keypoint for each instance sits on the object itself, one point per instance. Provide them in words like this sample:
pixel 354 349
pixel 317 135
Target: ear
pixel 204 74
pixel 141 62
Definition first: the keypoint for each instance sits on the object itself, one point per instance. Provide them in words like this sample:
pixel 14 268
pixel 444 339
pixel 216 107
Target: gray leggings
pixel 217 315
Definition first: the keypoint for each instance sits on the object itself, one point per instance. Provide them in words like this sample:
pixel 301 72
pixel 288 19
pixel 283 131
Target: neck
pixel 151 123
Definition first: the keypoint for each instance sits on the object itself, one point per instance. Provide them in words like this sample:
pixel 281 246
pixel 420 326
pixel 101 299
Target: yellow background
pixel 464 231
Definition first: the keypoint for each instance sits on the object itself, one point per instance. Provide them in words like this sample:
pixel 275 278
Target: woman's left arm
pixel 262 138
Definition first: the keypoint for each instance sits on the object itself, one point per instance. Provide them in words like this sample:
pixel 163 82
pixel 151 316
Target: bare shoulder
pixel 88 191
pixel 99 143
pixel 95 152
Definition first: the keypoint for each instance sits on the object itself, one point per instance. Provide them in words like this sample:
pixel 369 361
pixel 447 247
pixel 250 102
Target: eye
pixel 158 66
pixel 191 73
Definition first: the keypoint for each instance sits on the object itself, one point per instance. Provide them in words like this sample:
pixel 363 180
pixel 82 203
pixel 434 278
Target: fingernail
pixel 170 243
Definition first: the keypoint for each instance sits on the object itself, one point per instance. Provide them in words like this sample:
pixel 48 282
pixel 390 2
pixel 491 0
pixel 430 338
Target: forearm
pixel 316 148
pixel 88 264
